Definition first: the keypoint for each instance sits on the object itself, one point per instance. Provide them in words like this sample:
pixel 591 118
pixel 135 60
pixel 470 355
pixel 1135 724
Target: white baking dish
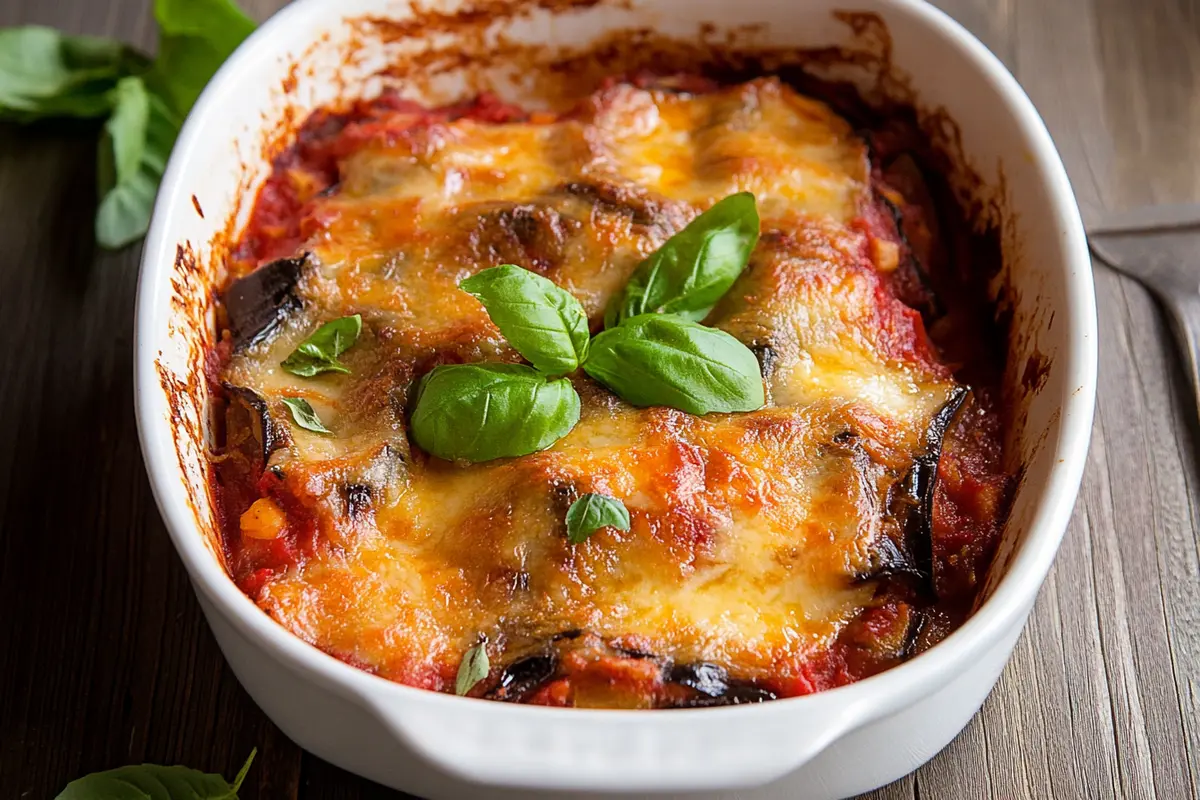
pixel 831 744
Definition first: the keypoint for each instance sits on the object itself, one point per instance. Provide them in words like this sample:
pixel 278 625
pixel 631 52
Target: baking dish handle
pixel 618 751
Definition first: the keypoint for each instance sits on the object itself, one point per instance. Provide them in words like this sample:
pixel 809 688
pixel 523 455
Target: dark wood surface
pixel 105 659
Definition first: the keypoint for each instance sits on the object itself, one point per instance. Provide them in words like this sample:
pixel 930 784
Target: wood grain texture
pixel 111 662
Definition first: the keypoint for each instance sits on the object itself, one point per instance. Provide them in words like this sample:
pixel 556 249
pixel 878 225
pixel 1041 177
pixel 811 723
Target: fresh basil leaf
pixel 152 782
pixel 133 153
pixel 473 668
pixel 304 415
pixel 695 267
pixel 657 360
pixel 478 412
pixel 44 73
pixel 591 512
pixel 194 39
pixel 543 322
pixel 318 353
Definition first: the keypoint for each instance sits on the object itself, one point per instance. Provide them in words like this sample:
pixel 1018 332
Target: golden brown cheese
pixel 752 534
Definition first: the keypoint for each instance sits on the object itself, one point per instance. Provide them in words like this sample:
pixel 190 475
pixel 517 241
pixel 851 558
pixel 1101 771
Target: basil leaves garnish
pixel 658 360
pixel 543 322
pixel 318 353
pixel 132 156
pixel 695 267
pixel 478 412
pixel 194 39
pixel 591 512
pixel 304 416
pixel 45 75
pixel 153 781
pixel 653 353
pixel 473 668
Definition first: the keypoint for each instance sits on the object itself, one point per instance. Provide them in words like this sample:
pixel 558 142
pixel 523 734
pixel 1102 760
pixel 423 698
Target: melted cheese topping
pixel 751 533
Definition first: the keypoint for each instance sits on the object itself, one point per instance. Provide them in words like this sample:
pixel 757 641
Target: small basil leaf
pixel 656 360
pixel 44 73
pixel 145 781
pixel 591 512
pixel 304 415
pixel 133 153
pixel 473 669
pixel 318 353
pixel 478 412
pixel 543 322
pixel 194 39
pixel 695 267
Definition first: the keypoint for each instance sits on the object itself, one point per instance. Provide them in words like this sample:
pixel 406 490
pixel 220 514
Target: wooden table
pixel 105 659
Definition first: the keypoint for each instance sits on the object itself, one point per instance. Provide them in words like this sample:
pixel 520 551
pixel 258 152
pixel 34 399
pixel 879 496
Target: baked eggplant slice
pixel 520 678
pixel 735 696
pixel 911 501
pixel 258 302
pixel 706 678
pixel 712 686
pixel 705 684
pixel 248 410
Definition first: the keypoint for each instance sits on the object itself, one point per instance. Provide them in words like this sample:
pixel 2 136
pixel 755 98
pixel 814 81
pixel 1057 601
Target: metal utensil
pixel 1159 246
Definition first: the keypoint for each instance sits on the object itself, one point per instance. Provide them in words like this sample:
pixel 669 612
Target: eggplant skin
pixel 712 686
pixel 524 675
pixel 909 551
pixel 913 500
pixel 737 695
pixel 258 302
pixel 709 684
pixel 243 400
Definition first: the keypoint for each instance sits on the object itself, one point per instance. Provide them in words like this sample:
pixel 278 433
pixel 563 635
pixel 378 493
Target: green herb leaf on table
pixel 542 321
pixel 44 73
pixel 133 153
pixel 304 416
pixel 591 512
pixel 695 267
pixel 473 668
pixel 657 360
pixel 195 38
pixel 145 781
pixel 318 353
pixel 479 412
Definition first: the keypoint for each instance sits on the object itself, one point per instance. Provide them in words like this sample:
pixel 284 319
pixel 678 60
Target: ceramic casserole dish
pixel 833 743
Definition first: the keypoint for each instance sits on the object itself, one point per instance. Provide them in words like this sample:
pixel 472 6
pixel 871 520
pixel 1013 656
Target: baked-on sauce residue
pixel 771 554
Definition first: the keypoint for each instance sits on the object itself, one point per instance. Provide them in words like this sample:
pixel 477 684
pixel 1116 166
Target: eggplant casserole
pixel 687 396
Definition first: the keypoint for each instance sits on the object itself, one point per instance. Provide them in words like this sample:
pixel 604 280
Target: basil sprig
pixel 318 353
pixel 304 416
pixel 132 156
pixel 194 39
pixel 44 75
pixel 153 781
pixel 591 512
pixel 542 321
pixel 478 412
pixel 695 267
pixel 653 353
pixel 473 668
pixel 658 360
